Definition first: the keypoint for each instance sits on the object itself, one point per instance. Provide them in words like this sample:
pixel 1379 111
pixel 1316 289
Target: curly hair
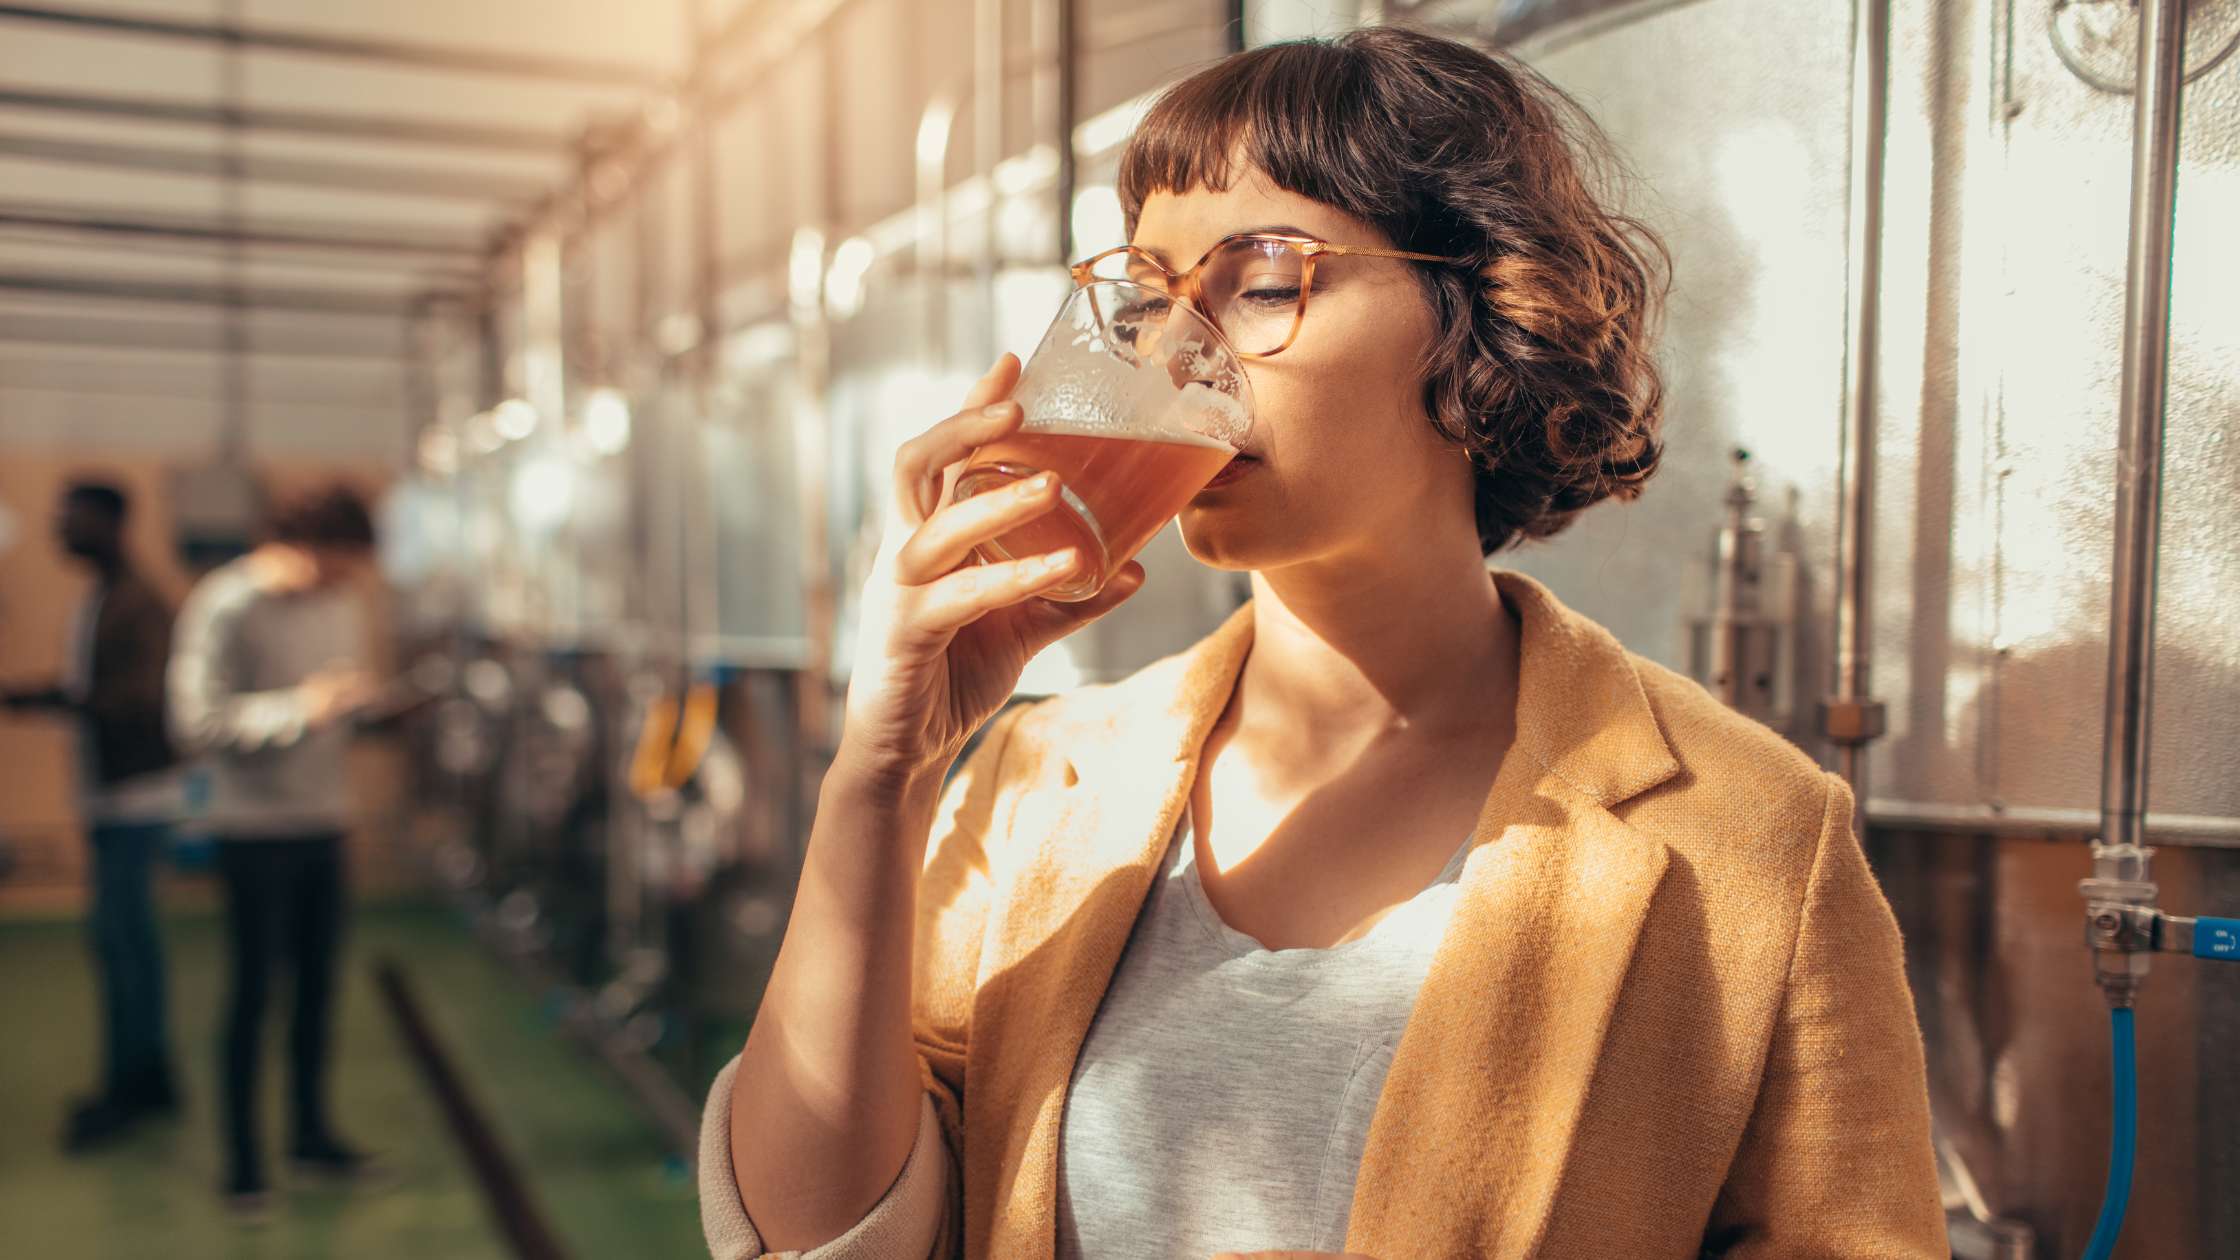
pixel 332 515
pixel 1543 370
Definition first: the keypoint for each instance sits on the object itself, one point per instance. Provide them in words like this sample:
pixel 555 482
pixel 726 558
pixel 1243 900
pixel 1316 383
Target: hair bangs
pixel 1282 110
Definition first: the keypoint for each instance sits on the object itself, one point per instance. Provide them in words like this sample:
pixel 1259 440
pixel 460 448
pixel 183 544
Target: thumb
pixel 1044 622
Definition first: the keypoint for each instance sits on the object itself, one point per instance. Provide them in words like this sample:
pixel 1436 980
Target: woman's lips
pixel 1231 471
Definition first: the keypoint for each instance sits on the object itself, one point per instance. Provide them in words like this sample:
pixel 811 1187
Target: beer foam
pixel 1069 426
pixel 1176 388
pixel 1141 405
pixel 1211 414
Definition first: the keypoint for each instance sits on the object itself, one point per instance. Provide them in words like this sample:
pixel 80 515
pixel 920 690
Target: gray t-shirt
pixel 1222 1099
pixel 238 654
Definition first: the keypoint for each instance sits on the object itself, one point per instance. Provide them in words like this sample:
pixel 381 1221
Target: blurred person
pixel 265 678
pixel 119 642
pixel 1194 963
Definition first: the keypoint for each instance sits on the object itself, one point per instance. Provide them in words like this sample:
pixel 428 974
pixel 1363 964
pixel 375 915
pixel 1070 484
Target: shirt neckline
pixel 1245 945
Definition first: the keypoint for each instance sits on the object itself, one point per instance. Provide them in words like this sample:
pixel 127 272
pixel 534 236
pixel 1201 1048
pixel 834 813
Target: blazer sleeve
pixel 921 1215
pixel 1837 1161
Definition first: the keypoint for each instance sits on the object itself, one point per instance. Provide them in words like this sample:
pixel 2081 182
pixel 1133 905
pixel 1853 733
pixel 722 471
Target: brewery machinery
pixel 1907 237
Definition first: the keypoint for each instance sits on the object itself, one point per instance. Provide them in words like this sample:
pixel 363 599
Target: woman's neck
pixel 1346 653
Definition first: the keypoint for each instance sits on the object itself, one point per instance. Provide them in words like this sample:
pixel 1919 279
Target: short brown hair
pixel 1543 368
pixel 328 516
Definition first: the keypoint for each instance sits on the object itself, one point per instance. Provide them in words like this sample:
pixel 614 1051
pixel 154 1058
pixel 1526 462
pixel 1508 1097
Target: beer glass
pixel 1135 402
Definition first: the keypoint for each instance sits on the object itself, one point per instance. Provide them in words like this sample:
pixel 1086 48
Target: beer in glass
pixel 1135 402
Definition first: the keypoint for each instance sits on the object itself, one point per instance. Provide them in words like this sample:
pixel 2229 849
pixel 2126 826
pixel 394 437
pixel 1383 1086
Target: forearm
pixel 241 722
pixel 827 1102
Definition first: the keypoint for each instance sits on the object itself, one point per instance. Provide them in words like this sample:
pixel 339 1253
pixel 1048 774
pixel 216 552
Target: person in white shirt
pixel 266 683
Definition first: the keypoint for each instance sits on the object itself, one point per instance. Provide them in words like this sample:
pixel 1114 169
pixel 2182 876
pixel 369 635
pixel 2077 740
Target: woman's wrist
pixel 880 780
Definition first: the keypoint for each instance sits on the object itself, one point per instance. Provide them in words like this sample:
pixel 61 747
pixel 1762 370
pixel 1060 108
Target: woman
pixel 1408 915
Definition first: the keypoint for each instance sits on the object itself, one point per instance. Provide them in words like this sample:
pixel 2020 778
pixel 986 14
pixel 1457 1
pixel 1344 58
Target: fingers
pixel 1045 622
pixel 974 591
pixel 944 541
pixel 996 384
pixel 987 416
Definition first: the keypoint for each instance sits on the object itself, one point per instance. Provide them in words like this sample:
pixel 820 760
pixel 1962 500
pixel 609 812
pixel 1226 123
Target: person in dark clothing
pixel 266 680
pixel 120 642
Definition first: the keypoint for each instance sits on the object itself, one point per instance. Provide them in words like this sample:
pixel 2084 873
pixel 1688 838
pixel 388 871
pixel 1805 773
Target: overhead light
pixel 933 133
pixel 439 451
pixel 606 421
pixel 542 494
pixel 514 419
pixel 677 332
pixel 805 273
pixel 843 281
pixel 482 433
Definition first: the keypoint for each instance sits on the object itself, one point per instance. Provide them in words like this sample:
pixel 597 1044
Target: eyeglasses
pixel 1252 286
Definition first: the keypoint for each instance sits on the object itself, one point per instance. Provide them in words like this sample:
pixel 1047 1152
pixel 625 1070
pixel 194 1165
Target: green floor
pixel 591 1161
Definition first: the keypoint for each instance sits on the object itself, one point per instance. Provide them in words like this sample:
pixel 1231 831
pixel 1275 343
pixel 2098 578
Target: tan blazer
pixel 1669 1016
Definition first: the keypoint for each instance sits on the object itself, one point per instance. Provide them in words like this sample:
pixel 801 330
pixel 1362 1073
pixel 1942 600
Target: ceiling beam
pixel 52 244
pixel 264 297
pixel 347 237
pixel 255 168
pixel 401 130
pixel 348 47
pixel 190 338
pixel 172 392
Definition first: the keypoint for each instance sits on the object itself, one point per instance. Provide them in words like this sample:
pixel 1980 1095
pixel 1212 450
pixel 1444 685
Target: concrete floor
pixel 590 1160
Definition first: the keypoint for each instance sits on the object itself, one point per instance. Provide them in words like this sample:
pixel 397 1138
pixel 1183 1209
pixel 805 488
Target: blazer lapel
pixel 1474 1129
pixel 1495 1066
pixel 1087 853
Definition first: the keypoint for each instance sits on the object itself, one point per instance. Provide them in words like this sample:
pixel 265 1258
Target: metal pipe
pixel 700 618
pixel 936 126
pixel 359 238
pixel 1852 717
pixel 418 384
pixel 235 35
pixel 778 30
pixel 987 149
pixel 293 121
pixel 2146 363
pixel 2164 829
pixel 233 317
pixel 779 36
pixel 299 172
pixel 1068 107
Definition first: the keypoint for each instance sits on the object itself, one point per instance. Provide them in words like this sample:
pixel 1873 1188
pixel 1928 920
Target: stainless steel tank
pixel 2000 337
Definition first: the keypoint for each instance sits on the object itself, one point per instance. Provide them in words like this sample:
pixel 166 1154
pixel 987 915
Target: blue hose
pixel 2121 1145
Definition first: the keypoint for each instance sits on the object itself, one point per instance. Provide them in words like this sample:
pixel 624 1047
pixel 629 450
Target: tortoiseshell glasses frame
pixel 1188 284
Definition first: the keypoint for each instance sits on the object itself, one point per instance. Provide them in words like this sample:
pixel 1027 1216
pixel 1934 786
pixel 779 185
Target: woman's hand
pixel 943 639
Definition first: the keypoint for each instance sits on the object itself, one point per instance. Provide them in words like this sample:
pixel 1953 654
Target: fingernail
pixel 998 411
pixel 1041 482
pixel 1058 559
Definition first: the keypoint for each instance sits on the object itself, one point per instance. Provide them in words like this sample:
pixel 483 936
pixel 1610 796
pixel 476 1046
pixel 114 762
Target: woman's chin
pixel 1219 541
